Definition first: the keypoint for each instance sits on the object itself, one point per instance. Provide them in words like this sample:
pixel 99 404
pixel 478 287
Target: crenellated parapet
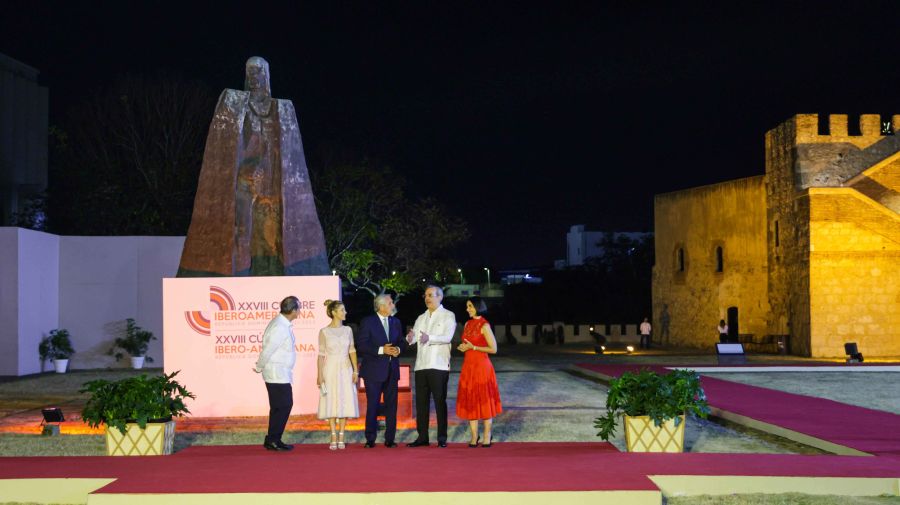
pixel 870 128
pixel 797 152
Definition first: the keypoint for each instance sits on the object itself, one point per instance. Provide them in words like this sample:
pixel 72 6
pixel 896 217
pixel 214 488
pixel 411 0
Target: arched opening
pixel 733 324
pixel 720 261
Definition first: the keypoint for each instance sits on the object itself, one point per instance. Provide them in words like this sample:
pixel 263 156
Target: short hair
pixel 380 300
pixel 436 288
pixel 290 304
pixel 331 306
pixel 478 303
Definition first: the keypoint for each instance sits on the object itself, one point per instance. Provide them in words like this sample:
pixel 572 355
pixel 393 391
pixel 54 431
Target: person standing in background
pixel 723 331
pixel 645 333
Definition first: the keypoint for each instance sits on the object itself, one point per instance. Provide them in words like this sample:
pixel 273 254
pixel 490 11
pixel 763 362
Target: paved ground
pixel 542 400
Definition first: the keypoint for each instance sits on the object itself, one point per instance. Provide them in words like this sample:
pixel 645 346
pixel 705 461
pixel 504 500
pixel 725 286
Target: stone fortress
pixel 807 255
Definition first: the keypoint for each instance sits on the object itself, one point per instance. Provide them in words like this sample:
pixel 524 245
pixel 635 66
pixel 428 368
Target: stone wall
pixel 832 235
pixel 854 276
pixel 787 233
pixel 688 303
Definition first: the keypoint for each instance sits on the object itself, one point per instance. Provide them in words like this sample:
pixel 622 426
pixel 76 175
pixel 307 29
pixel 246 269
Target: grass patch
pixel 14 444
pixel 782 499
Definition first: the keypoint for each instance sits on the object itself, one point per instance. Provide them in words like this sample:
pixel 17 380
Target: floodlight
pixel 630 348
pixel 854 356
pixel 52 415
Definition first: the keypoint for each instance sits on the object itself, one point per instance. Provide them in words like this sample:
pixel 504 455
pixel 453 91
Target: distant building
pixel 23 137
pixel 520 276
pixel 462 290
pixel 810 250
pixel 582 245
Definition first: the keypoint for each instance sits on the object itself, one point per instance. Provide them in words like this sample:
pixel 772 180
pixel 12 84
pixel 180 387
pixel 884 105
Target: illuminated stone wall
pixel 730 215
pixel 828 245
pixel 834 270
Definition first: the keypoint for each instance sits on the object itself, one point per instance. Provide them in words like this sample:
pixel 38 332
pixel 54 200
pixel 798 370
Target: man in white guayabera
pixel 276 364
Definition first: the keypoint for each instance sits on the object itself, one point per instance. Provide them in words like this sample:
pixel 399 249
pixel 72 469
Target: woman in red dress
pixel 478 397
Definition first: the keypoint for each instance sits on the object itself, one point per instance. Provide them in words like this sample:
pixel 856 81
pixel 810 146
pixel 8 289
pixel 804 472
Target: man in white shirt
pixel 645 334
pixel 432 334
pixel 276 363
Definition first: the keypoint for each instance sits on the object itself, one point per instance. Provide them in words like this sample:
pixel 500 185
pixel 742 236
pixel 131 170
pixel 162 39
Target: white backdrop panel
pixel 213 331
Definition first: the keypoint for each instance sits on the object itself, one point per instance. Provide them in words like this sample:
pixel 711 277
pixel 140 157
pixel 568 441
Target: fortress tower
pixel 834 234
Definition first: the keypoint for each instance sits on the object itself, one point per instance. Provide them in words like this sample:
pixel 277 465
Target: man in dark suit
pixel 379 343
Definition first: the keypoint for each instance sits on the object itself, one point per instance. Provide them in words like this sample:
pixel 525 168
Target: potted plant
pixel 654 406
pixel 57 347
pixel 137 412
pixel 135 343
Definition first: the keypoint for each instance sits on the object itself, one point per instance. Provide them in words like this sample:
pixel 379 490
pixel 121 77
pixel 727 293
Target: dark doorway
pixel 733 324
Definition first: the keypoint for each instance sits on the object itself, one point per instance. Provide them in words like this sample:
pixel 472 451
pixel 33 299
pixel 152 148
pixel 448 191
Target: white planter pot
pixel 61 365
pixel 137 362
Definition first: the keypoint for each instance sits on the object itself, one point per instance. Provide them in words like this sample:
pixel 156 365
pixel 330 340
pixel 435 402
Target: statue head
pixel 256 76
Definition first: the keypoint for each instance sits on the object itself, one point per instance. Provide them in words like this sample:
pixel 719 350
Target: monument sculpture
pixel 254 212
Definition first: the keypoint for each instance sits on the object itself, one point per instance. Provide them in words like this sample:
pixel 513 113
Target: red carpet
pixel 504 467
pixel 871 431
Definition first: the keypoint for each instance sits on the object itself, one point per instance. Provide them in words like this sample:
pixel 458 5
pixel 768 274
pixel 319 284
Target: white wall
pixel 38 295
pixel 105 280
pixel 9 301
pixel 87 285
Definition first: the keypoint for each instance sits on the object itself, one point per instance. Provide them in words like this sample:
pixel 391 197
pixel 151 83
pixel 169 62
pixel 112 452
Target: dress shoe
pixel 390 444
pixel 417 443
pixel 442 444
pixel 278 446
pixel 369 445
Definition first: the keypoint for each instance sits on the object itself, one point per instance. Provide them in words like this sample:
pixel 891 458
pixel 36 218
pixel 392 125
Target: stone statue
pixel 254 213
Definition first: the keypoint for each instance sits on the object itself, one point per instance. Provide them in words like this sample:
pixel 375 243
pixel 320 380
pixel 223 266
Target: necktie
pixel 387 333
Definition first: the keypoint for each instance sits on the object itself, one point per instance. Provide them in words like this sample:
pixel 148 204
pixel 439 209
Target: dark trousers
pixel 374 390
pixel 281 399
pixel 431 383
pixel 645 341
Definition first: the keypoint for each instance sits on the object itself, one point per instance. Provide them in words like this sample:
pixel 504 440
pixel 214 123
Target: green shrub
pixel 647 393
pixel 140 400
pixel 56 345
pixel 135 342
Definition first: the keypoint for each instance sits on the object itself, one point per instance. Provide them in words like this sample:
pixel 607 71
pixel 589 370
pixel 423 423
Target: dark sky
pixel 522 120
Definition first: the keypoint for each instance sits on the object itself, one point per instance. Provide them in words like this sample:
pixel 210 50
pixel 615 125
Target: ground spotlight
pixel 852 352
pixel 52 417
pixel 630 348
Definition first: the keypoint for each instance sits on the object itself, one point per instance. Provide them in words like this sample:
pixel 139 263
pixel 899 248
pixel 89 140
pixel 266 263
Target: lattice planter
pixel 642 435
pixel 157 439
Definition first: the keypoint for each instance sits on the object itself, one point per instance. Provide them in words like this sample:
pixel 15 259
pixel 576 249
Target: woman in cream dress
pixel 338 372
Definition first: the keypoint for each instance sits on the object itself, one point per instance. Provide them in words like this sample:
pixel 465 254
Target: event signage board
pixel 212 335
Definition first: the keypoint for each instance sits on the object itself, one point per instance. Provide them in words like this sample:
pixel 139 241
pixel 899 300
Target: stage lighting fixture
pixel 52 415
pixel 852 352
pixel 630 348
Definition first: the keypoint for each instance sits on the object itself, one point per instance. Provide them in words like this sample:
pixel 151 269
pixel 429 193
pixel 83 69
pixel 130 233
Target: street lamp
pixel 488 270
pixel 462 280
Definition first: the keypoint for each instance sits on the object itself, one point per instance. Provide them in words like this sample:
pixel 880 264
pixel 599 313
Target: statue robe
pixel 254 212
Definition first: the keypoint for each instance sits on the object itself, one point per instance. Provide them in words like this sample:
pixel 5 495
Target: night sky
pixel 521 120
